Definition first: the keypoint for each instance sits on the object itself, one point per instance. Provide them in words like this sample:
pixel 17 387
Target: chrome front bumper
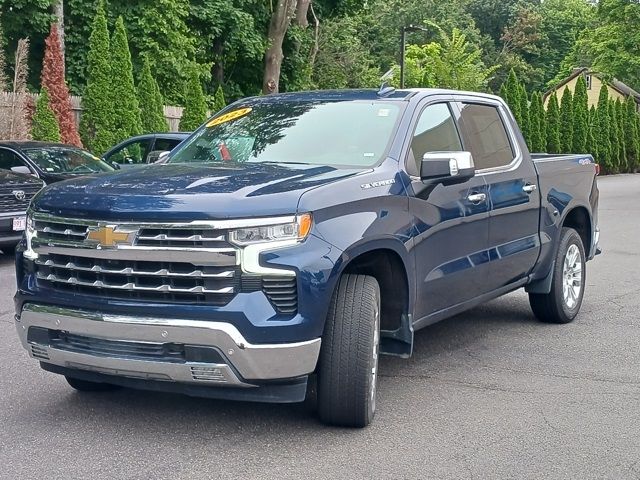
pixel 245 362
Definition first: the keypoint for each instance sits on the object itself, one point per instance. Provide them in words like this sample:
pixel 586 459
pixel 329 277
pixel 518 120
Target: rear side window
pixel 8 159
pixel 486 136
pixel 435 132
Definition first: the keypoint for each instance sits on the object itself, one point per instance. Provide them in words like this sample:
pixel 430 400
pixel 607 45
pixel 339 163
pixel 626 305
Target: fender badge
pixel 380 183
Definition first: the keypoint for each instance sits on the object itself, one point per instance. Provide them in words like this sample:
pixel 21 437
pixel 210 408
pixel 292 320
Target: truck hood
pixel 187 192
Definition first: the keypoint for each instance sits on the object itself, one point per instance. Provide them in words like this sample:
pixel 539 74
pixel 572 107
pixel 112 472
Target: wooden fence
pixel 171 113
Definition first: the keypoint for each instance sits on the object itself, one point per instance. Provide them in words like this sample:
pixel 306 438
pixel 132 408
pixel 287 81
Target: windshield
pixel 67 160
pixel 354 133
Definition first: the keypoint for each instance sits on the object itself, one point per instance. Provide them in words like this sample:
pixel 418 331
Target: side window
pixel 133 153
pixel 435 132
pixel 486 136
pixel 166 144
pixel 9 159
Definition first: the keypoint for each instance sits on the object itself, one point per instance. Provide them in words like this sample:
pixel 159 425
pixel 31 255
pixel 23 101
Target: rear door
pixel 512 186
pixel 451 221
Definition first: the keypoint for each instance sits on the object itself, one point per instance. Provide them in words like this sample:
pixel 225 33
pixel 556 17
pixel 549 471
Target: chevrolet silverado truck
pixel 301 234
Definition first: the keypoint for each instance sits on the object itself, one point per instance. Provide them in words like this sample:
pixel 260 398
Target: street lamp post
pixel 403 44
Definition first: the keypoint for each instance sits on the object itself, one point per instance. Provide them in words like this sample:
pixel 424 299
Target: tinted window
pixel 343 133
pixel 8 159
pixel 66 160
pixel 435 132
pixel 486 136
pixel 133 153
pixel 165 144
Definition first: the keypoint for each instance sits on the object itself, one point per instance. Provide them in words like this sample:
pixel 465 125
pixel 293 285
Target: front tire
pixel 348 364
pixel 86 386
pixel 562 303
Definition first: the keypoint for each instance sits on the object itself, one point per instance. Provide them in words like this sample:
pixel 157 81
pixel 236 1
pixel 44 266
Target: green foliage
pixel 592 144
pixel 580 117
pixel 552 123
pixel 218 101
pixel 619 119
pixel 537 135
pixel 126 109
pixel 525 122
pixel 631 136
pixel 566 121
pixel 512 94
pixel 614 134
pixel 195 108
pixel 44 124
pixel 151 102
pixel 97 101
pixel 603 133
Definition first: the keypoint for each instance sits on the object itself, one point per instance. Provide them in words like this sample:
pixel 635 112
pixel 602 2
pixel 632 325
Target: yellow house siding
pixel 593 94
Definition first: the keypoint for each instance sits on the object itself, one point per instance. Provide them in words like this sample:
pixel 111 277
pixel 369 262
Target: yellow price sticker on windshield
pixel 228 117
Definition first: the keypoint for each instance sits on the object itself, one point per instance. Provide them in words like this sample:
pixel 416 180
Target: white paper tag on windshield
pixel 383 112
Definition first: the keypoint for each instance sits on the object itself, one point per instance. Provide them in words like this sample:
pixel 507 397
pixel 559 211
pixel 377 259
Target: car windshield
pixel 347 133
pixel 67 160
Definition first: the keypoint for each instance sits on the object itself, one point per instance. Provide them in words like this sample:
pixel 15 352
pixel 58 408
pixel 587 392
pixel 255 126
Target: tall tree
pixel 536 124
pixel 58 12
pixel 524 111
pixel 603 132
pixel 195 108
pixel 631 133
pixel 566 121
pixel 552 122
pixel 283 12
pixel 592 144
pixel 218 101
pixel 18 123
pixel 150 101
pixel 513 96
pixel 619 110
pixel 45 125
pixel 614 135
pixel 580 116
pixel 126 109
pixel 53 80
pixel 97 101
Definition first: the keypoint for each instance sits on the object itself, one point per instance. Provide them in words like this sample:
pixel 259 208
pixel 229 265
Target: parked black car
pixel 143 149
pixel 16 191
pixel 51 162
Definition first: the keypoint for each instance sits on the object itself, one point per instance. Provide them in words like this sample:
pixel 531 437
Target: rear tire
pixel 348 365
pixel 86 386
pixel 562 303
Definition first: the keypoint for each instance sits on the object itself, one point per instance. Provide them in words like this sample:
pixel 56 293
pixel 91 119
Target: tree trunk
pixel 301 13
pixel 280 21
pixel 217 72
pixel 58 12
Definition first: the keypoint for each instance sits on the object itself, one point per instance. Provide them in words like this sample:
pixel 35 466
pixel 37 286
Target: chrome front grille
pixel 187 263
pixel 10 203
pixel 144 280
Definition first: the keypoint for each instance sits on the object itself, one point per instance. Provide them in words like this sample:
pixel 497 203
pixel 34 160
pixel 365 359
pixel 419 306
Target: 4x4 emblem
pixel 19 194
pixel 108 237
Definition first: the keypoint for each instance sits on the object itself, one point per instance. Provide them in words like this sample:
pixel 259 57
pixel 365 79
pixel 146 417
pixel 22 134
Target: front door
pixel 451 221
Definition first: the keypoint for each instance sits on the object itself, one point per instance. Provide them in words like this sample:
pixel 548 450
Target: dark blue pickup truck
pixel 301 234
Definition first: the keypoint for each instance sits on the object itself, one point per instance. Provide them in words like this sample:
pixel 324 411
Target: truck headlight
pixel 297 230
pixel 30 233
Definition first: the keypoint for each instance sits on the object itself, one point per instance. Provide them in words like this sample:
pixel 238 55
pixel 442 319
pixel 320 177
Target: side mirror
pixel 157 156
pixel 22 169
pixel 115 165
pixel 447 167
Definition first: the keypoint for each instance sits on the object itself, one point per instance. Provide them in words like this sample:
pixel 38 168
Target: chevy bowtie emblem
pixel 108 237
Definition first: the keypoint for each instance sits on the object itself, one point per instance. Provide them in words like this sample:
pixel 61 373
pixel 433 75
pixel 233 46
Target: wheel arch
pixel 579 218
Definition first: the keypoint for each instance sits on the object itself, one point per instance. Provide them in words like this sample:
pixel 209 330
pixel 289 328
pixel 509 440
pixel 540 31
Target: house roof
pixel 617 85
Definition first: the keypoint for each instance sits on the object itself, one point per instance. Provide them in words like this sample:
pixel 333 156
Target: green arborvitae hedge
pixel 536 123
pixel 552 121
pixel 151 102
pixel 126 110
pixel 218 101
pixel 566 122
pixel 195 108
pixel 45 126
pixel 580 117
pixel 603 133
pixel 97 101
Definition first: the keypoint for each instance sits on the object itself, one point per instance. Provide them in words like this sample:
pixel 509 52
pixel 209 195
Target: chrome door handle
pixel 530 188
pixel 477 197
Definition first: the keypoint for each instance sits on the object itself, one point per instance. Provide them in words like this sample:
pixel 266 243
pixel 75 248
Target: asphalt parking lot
pixel 491 393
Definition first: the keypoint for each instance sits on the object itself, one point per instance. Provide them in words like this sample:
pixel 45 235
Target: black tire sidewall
pixel 569 237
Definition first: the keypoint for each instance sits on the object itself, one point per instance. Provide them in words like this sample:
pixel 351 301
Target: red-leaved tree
pixel 53 80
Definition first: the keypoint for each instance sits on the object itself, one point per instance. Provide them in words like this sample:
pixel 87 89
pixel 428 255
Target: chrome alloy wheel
pixel 572 276
pixel 374 367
